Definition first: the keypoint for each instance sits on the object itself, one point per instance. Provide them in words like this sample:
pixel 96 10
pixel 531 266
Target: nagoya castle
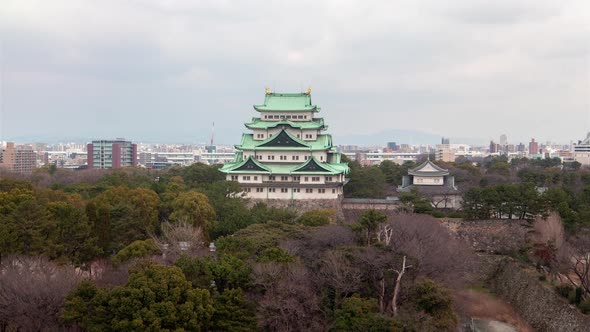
pixel 288 155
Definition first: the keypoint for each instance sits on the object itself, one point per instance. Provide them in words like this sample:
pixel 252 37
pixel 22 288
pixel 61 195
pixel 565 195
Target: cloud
pixel 166 69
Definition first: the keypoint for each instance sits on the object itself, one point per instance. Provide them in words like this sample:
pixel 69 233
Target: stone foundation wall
pixel 368 203
pixel 536 302
pixel 499 236
pixel 301 206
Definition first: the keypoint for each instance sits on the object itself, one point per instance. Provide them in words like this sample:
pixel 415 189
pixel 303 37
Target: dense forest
pixel 180 249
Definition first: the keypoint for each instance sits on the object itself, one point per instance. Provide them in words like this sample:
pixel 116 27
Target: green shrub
pixel 456 214
pixel 275 254
pixel 358 314
pixel 317 217
pixel 137 249
pixel 564 290
pixel 585 306
pixel 436 301
pixel 437 214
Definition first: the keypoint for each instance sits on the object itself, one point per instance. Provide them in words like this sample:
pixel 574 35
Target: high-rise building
pixel 494 147
pixel 503 139
pixel 112 154
pixel 287 156
pixel 581 152
pixel 444 153
pixel 18 158
pixel 445 140
pixel 533 147
pixel 392 146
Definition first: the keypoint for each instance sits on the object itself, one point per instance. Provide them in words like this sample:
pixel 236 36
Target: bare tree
pixel 337 272
pixel 291 303
pixel 384 234
pixel 398 282
pixel 549 230
pixel 32 292
pixel 180 238
pixel 574 262
pixel 441 256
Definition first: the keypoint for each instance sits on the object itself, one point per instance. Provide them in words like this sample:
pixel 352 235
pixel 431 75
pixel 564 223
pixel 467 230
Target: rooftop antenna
pixel 212 133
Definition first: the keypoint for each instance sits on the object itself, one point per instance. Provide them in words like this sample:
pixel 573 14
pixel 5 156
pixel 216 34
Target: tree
pixel 23 223
pixel 233 312
pixel 289 303
pixel 574 262
pixel 365 182
pixel 440 255
pixel 317 217
pixel 194 208
pixel 132 215
pixel 228 272
pixel 155 297
pixel 72 236
pixel 360 315
pixel 137 249
pixel 32 292
pixel 179 238
pixel 436 302
pixel 369 222
pixel 398 283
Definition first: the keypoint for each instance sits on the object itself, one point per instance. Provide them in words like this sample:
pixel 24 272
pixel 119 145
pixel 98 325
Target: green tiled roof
pixel 237 167
pixel 286 102
pixel 298 169
pixel 323 142
pixel 257 123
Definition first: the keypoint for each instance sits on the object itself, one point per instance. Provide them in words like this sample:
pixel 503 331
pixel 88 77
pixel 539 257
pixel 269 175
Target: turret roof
pixel 291 102
pixel 285 141
pixel 257 123
pixel 428 168
pixel 311 166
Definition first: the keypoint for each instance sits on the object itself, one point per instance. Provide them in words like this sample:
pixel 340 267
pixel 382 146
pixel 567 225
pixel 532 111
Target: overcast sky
pixel 165 70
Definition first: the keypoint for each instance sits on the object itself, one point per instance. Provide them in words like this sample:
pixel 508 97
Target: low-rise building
pixel 434 182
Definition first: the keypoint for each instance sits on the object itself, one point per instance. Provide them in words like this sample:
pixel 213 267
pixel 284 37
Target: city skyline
pixel 165 70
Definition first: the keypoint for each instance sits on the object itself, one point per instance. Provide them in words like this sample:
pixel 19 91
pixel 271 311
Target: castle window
pixel 321 191
pixel 284 190
pixel 309 190
pixel 295 190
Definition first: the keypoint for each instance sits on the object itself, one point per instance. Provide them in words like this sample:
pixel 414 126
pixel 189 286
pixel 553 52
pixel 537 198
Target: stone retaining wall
pixel 499 236
pixel 536 302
